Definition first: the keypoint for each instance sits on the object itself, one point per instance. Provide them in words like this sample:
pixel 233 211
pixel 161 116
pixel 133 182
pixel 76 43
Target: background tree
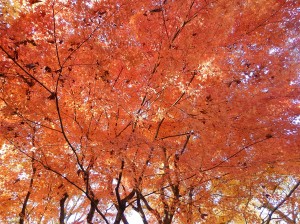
pixel 178 111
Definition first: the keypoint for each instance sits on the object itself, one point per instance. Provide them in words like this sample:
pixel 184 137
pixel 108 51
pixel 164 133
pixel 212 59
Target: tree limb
pixel 282 202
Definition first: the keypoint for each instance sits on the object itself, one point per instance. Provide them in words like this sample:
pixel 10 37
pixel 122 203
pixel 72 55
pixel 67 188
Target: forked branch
pixel 282 202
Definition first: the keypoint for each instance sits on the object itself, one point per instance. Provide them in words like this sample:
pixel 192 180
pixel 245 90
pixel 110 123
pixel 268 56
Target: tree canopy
pixel 158 111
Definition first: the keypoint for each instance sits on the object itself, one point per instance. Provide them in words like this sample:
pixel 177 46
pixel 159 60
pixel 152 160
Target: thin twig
pixel 234 155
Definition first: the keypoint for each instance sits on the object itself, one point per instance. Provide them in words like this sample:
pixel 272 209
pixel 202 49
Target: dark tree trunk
pixel 91 213
pixel 62 213
pixel 23 212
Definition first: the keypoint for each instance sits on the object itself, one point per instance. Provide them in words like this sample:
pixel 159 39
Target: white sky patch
pixel 3 149
pixel 296 120
pixel 274 50
pixel 133 217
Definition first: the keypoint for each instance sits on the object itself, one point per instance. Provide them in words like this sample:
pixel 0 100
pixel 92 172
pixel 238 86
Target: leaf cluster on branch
pixel 149 111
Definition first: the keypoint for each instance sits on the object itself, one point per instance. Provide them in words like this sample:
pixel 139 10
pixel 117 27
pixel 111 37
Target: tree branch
pixel 23 212
pixel 47 167
pixel 234 155
pixel 158 127
pixel 23 69
pixel 55 38
pixel 62 213
pixel 281 202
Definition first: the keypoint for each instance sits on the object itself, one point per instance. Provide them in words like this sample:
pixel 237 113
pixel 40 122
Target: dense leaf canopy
pixel 169 111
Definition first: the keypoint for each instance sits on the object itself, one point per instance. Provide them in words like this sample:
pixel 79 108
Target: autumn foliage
pixel 149 111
